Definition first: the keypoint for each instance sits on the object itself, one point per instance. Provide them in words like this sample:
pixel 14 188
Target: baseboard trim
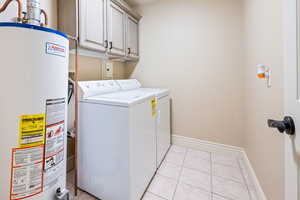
pixel 206 145
pixel 223 149
pixel 259 190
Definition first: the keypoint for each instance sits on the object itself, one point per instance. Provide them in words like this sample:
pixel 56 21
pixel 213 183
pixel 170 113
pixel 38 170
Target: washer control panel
pixel 129 84
pixel 93 88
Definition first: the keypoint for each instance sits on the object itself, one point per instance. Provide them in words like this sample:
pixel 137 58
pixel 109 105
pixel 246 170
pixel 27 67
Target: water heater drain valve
pixel 62 194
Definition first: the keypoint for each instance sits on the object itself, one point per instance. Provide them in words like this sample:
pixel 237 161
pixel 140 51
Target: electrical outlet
pixel 108 70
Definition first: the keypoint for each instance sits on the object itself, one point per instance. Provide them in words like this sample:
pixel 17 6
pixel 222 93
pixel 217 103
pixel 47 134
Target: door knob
pixel 287 125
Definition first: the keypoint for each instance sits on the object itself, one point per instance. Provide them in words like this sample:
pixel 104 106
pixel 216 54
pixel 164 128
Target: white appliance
pixel 116 144
pixel 162 115
pixel 33 84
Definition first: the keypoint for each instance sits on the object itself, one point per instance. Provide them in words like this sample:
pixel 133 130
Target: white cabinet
pixel 92 20
pixel 105 27
pixel 116 29
pixel 132 37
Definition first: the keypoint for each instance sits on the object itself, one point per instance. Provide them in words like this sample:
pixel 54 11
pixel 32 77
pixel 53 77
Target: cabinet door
pixel 92 24
pixel 132 37
pixel 116 29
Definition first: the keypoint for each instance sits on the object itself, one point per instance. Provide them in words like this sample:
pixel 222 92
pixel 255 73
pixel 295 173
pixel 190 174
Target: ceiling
pixel 139 2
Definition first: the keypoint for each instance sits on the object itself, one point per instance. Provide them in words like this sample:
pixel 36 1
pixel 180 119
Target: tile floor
pixel 81 194
pixel 188 174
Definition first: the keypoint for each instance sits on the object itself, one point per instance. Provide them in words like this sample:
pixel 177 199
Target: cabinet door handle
pixel 129 51
pixel 106 44
pixel 111 45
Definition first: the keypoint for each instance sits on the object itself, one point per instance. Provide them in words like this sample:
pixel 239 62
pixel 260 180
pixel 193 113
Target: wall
pixel 264 44
pixel 195 48
pixel 90 68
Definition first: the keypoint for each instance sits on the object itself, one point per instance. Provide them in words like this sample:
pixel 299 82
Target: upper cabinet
pixel 132 37
pixel 92 21
pixel 116 29
pixel 109 27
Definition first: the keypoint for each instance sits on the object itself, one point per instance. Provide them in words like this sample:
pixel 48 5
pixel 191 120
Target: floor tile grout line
pixel 173 179
pixel 224 197
pixel 158 195
pixel 196 187
pixel 194 149
pixel 185 154
pixel 228 179
pixel 226 165
pixel 211 172
pixel 204 172
pixel 245 181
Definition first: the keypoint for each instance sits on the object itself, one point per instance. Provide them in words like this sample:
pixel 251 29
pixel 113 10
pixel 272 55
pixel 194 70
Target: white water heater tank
pixel 33 111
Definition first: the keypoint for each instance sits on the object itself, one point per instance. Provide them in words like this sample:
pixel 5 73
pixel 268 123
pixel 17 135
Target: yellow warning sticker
pixel 154 103
pixel 32 130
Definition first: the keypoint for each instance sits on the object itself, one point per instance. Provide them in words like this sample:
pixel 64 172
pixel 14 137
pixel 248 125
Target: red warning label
pixel 26 172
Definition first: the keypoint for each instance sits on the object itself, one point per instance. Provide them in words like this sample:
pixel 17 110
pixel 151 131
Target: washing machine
pixel 162 115
pixel 117 142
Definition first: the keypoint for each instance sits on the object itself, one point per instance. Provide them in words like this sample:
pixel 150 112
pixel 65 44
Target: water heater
pixel 33 111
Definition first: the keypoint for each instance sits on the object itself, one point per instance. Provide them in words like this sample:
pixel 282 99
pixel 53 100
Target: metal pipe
pixel 34 12
pixel 75 39
pixel 20 8
pixel 76 109
pixel 76 117
pixel 43 12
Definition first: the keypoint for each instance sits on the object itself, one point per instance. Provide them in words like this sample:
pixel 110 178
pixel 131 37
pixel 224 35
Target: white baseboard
pixel 206 145
pixel 259 190
pixel 222 149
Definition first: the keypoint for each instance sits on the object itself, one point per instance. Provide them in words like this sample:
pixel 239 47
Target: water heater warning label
pixel 54 143
pixel 55 128
pixel 32 130
pixel 26 172
pixel 55 49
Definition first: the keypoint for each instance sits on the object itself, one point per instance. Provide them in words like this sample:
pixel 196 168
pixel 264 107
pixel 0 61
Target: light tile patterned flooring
pixel 188 174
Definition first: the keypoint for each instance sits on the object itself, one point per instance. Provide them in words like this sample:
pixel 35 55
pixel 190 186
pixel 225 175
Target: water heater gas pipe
pixel 20 8
pixel 33 14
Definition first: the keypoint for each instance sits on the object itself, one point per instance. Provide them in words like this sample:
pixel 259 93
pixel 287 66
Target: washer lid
pixel 125 98
pixel 93 88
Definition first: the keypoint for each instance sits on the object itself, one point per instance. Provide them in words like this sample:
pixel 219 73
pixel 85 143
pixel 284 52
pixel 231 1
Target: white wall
pixel 264 44
pixel 195 48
